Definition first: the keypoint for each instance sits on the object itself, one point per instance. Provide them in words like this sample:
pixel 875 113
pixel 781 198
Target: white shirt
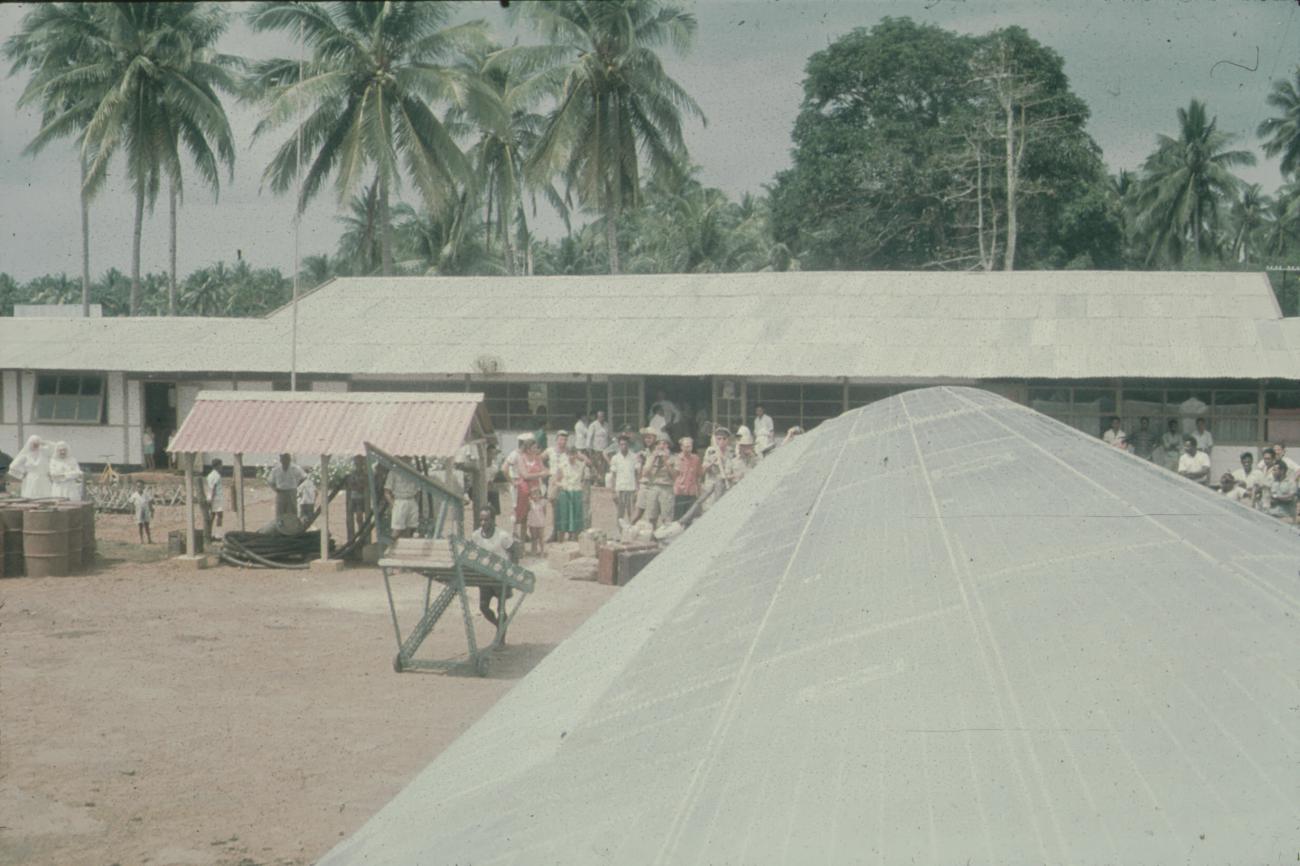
pixel 1204 440
pixel 306 493
pixel 599 434
pixel 581 436
pixel 213 482
pixel 670 411
pixel 1110 436
pixel 400 484
pixel 1194 463
pixel 658 422
pixel 1251 480
pixel 764 428
pixel 287 479
pixel 624 468
pixel 500 542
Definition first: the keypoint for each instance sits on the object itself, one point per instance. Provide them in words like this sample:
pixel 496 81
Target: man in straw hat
pixel 717 468
pixel 746 457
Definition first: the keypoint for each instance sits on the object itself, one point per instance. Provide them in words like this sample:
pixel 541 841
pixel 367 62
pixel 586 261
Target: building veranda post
pixel 1077 345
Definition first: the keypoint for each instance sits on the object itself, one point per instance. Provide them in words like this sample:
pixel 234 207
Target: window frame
pixel 60 378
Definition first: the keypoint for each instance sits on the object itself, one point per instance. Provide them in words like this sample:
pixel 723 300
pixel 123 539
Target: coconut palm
pixel 153 80
pixel 1283 132
pixel 1183 183
pixel 54 38
pixel 614 99
pixel 1250 216
pixel 361 98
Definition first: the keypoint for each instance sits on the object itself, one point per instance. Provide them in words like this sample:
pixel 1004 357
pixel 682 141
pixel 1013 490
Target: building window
pixel 624 404
pixel 793 405
pixel 72 399
pixel 507 403
pixel 564 402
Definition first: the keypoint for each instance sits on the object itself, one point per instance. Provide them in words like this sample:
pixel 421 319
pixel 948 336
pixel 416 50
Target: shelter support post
pixel 190 541
pixel 239 490
pixel 324 507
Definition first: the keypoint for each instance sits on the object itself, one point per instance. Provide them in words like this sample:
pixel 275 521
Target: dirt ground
pixel 154 714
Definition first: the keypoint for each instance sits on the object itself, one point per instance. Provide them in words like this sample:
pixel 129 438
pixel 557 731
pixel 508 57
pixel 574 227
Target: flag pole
pixel 297 222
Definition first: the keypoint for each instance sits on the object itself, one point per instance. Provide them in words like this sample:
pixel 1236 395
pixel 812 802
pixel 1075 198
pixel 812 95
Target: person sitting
pixel 1281 493
pixel 1143 441
pixel 1168 452
pixel 491 539
pixel 1279 451
pixel 1248 478
pixel 1113 432
pixel 1228 487
pixel 1194 464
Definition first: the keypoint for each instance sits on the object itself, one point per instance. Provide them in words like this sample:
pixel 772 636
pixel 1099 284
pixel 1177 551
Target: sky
pixel 1135 62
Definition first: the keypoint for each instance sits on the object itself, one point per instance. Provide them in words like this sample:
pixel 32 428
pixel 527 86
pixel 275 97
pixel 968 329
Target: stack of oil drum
pixel 45 537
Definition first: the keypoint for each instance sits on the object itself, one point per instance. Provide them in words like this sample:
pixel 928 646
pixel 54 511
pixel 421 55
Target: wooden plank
pixel 189 505
pixel 239 490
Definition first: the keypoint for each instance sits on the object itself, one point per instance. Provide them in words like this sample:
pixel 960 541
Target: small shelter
pixel 329 424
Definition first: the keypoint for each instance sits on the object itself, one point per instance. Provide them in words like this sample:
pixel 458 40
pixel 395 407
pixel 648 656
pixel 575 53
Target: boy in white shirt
pixel 1194 463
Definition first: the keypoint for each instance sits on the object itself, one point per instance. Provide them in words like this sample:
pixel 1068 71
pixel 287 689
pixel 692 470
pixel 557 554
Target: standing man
pixel 686 468
pixel 284 480
pixel 1143 441
pixel 624 468
pixel 1193 463
pixel 307 499
pixel 1279 451
pixel 717 466
pixel 599 433
pixel 764 430
pixel 1282 493
pixel 216 498
pixel 1204 438
pixel 657 479
pixel 581 433
pixel 746 457
pixel 552 457
pixel 400 491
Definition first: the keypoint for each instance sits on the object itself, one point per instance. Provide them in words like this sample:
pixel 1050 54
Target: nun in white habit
pixel 32 468
pixel 65 473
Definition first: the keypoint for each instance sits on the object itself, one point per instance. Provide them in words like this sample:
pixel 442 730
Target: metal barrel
pixel 11 526
pixel 45 542
pixel 88 534
pixel 73 512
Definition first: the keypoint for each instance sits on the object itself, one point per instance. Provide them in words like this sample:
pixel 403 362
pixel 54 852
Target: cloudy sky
pixel 1134 62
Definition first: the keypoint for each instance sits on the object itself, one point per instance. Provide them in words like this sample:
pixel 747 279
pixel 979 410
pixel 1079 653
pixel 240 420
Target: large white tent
pixel 941 629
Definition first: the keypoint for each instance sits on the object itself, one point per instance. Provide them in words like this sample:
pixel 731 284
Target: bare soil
pixel 155 714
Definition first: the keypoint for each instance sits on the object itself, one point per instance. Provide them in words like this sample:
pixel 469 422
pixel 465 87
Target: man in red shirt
pixel 686 470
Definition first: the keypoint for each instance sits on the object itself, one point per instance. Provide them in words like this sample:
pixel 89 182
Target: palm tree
pixel 499 155
pixel 360 100
pixel 54 38
pixel 1184 181
pixel 1283 133
pixel 359 245
pixel 1250 215
pixel 152 80
pixel 614 99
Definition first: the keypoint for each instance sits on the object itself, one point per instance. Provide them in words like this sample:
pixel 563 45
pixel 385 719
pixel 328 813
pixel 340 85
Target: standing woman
pixel 531 471
pixel 32 468
pixel 147 447
pixel 65 473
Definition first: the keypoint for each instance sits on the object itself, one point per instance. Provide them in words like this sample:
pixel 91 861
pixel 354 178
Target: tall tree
pixel 54 38
pixel 362 102
pixel 615 100
pixel 1184 182
pixel 154 81
pixel 1282 133
pixel 1250 214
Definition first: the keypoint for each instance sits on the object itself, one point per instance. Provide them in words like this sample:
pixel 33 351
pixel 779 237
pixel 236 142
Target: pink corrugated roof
pixel 311 422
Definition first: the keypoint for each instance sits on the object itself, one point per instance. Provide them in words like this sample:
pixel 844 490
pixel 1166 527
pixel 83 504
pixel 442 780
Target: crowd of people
pixel 653 478
pixel 1268 485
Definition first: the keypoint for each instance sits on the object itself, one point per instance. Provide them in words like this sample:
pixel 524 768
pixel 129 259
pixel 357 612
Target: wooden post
pixel 189 505
pixel 324 494
pixel 239 490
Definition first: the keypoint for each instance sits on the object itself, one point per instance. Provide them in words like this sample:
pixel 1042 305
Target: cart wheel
pixel 481 664
pixel 397 663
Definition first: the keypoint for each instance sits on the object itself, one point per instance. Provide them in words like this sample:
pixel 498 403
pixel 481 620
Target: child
pixel 143 502
pixel 537 521
pixel 306 499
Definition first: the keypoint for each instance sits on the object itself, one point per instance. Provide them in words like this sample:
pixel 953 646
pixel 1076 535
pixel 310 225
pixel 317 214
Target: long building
pixel 1077 345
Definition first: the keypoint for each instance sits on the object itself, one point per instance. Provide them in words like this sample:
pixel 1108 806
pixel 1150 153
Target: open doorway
pixel 688 394
pixel 160 416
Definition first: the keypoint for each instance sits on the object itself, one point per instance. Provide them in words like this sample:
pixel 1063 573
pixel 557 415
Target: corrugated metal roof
pixel 242 422
pixel 877 324
pixel 941 629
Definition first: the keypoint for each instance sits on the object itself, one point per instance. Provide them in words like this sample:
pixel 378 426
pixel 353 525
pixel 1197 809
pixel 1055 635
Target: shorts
pixel 659 503
pixel 406 514
pixel 681 505
pixel 625 502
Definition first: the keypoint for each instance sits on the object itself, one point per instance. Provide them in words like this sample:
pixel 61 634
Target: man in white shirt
pixel 624 468
pixel 212 487
pixel 1204 438
pixel 764 430
pixel 581 432
pixel 1282 493
pixel 488 537
pixel 658 422
pixel 598 432
pixel 1113 432
pixel 1193 463
pixel 306 498
pixel 284 480
pixel 667 408
pixel 1248 478
pixel 401 490
pixel 1279 452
